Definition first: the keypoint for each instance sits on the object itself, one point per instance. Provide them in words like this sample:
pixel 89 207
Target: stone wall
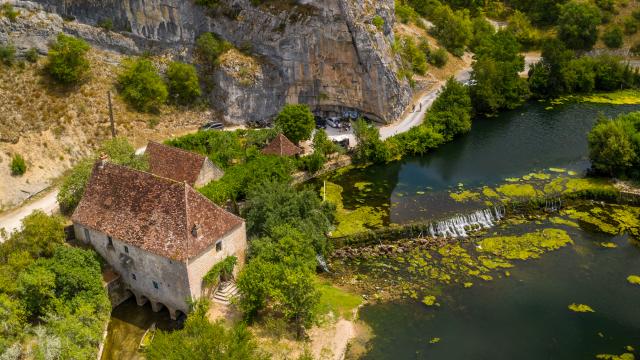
pixel 234 243
pixel 171 276
pixel 209 172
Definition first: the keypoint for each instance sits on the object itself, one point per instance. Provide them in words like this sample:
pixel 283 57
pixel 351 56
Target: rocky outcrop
pixel 325 53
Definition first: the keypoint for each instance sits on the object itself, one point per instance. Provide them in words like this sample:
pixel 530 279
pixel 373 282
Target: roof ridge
pixel 149 173
pixel 178 149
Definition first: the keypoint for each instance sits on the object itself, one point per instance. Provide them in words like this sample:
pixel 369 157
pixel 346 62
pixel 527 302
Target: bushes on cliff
pixel 209 47
pixel 141 85
pixel 7 54
pixel 51 295
pixel 613 37
pixel 614 146
pixel 67 60
pixel 414 58
pixel 18 166
pixel 182 79
pixel 296 122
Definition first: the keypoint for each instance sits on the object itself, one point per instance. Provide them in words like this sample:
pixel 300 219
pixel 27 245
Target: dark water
pixel 127 326
pixel 518 142
pixel 524 316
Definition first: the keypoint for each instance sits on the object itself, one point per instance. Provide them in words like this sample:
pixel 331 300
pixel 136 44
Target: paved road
pixel 11 220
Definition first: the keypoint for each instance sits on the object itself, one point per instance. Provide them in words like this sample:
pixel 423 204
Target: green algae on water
pixel 526 246
pixel 625 356
pixel 430 300
pixel 518 190
pixel 465 196
pixel 434 340
pixel 560 221
pixel 352 221
pixel 582 308
pixel 608 245
pixel 621 97
pixel 633 279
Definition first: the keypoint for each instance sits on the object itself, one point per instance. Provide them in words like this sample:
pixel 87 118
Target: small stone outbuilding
pixel 281 146
pixel 160 235
pixel 181 165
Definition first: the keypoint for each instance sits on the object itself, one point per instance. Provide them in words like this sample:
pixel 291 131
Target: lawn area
pixel 336 300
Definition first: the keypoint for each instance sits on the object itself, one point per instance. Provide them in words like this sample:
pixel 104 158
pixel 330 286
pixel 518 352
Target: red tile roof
pixel 153 213
pixel 174 163
pixel 281 146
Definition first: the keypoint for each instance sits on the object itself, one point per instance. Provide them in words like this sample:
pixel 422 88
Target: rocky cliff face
pixel 325 53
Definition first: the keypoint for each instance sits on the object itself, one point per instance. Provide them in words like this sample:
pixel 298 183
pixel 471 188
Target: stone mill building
pixel 160 235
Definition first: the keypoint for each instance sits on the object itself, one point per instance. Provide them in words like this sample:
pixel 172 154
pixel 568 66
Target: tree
pixel 280 273
pixel 119 151
pixel 67 60
pixel 453 29
pixel 614 145
pixel 541 12
pixel 39 235
pixel 496 74
pixel 546 78
pixel 520 26
pixel 141 85
pixel 18 165
pixel 296 121
pixel 612 37
pixel 413 59
pixel 450 114
pixel 369 147
pixel 272 204
pixel 482 29
pixel 578 25
pixel 323 145
pixel 201 339
pixel 183 82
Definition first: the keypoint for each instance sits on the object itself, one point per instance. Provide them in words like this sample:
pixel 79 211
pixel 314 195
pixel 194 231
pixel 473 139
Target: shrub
pixel 106 24
pixel 141 85
pixel 18 165
pixel 612 37
pixel 577 25
pixel 630 26
pixel 378 21
pixel 8 11
pixel 312 163
pixel 612 146
pixel 32 55
pixel 414 59
pixel 296 122
pixel 183 82
pixel 67 60
pixel 7 54
pixel 405 13
pixel 209 47
pixel 635 49
pixel 439 57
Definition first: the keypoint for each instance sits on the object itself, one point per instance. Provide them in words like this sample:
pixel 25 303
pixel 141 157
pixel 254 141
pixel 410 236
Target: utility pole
pixel 113 125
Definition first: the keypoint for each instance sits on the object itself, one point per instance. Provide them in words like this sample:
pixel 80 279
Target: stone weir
pixel 325 53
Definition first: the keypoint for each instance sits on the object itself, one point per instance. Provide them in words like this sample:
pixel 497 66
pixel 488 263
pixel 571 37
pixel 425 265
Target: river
pixel 522 313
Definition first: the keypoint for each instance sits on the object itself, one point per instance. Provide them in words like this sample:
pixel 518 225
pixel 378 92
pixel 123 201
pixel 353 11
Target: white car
pixel 333 122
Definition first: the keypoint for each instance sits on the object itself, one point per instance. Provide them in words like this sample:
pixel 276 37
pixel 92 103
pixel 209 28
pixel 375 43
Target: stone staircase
pixel 225 292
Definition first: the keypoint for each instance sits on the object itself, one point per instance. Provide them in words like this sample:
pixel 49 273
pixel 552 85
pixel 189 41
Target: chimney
pixel 103 160
pixel 194 230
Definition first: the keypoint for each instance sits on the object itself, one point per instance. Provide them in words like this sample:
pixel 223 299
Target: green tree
pixel 614 145
pixel 450 114
pixel 183 83
pixel 272 204
pixel 324 145
pixel 541 12
pixel 498 84
pixel 453 29
pixel 613 36
pixel 141 85
pixel 18 166
pixel 296 122
pixel 520 26
pixel 280 273
pixel 201 339
pixel 39 235
pixel 578 25
pixel 369 147
pixel 67 60
pixel 546 78
pixel 37 287
pixel 118 150
pixel 481 29
pixel 413 58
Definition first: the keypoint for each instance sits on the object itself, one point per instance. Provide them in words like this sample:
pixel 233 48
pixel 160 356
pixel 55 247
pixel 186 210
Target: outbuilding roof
pixel 174 163
pixel 281 146
pixel 159 215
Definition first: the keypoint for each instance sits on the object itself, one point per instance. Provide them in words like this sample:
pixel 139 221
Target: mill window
pixel 110 242
pixel 155 285
pixel 219 246
pixel 87 235
pixel 133 276
pixel 126 249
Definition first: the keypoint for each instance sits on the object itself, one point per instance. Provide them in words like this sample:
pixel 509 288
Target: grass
pixel 341 302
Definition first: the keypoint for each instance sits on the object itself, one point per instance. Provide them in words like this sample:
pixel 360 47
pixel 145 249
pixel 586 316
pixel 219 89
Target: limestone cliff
pixel 325 53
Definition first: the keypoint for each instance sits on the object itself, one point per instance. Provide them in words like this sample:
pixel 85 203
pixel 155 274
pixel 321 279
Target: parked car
pixel 212 126
pixel 334 122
